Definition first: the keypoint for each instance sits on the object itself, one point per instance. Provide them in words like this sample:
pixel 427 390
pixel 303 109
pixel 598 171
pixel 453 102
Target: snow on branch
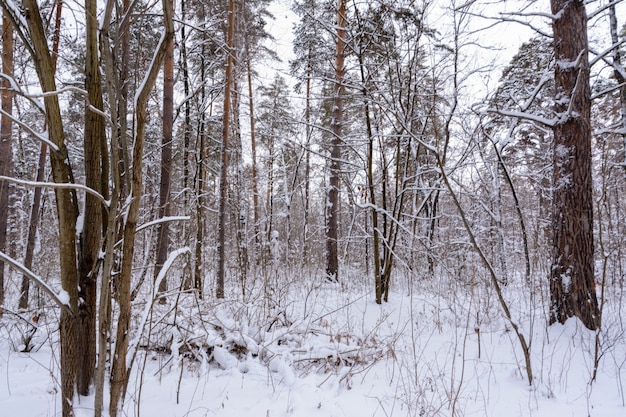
pixel 163 220
pixel 603 56
pixel 62 298
pixel 66 185
pixel 16 89
pixel 41 136
pixel 19 21
pixel 599 11
pixel 512 19
pixel 524 116
pixel 535 14
pixel 63 90
pixel 132 346
pixel 610 131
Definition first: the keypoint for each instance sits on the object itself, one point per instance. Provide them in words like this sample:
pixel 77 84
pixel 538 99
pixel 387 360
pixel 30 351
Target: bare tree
pixel 120 367
pixel 66 202
pixel 96 177
pixel 572 282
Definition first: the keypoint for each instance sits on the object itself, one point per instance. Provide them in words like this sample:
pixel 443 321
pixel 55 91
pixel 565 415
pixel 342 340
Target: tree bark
pixel 255 185
pixel 6 154
pixel 572 283
pixel 32 227
pixel 96 177
pixel 119 367
pixel 66 204
pixel 163 230
pixel 221 267
pixel 619 77
pixel 332 226
pixel 112 233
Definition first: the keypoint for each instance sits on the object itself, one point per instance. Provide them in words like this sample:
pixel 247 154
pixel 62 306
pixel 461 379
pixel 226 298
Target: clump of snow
pixel 64 297
pixel 224 358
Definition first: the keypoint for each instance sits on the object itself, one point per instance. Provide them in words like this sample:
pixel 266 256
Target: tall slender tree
pixel 163 230
pixel 6 154
pixel 96 177
pixel 572 281
pixel 221 266
pixel 332 206
pixel 66 203
pixel 120 366
pixel 312 55
pixel 620 75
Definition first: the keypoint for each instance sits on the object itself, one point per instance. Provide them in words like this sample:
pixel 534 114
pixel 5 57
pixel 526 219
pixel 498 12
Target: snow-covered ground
pixel 329 350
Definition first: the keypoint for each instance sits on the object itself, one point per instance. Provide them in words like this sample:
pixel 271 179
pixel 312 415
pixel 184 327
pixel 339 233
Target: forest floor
pixel 330 350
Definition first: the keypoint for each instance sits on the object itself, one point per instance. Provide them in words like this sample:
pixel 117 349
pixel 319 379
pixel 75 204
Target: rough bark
pixel 120 368
pixel 307 168
pixel 572 284
pixel 104 308
pixel 255 185
pixel 95 178
pixel 163 230
pixel 618 73
pixel 66 204
pixel 6 155
pixel 221 267
pixel 32 227
pixel 332 225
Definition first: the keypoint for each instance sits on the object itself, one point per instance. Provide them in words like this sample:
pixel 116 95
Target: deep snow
pixel 331 351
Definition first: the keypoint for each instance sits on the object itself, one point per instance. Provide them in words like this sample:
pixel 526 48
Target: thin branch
pixel 15 87
pixel 602 9
pixel 41 136
pixel 604 56
pixel 163 220
pixel 524 116
pixel 67 185
pixel 42 284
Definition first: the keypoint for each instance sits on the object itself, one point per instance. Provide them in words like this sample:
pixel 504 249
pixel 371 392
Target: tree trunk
pixel 66 202
pixel 239 209
pixel 197 275
pixel 120 368
pixel 572 284
pixel 619 77
pixel 201 134
pixel 221 268
pixel 96 177
pixel 255 185
pixel 32 227
pixel 187 127
pixel 34 214
pixel 6 154
pixel 307 168
pixel 166 165
pixel 112 231
pixel 332 226
pixel 378 283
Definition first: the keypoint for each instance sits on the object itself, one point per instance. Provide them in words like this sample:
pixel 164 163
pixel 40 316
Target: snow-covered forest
pixel 312 208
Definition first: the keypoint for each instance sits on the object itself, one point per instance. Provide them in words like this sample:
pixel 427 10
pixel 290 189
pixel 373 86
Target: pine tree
pixel 572 280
